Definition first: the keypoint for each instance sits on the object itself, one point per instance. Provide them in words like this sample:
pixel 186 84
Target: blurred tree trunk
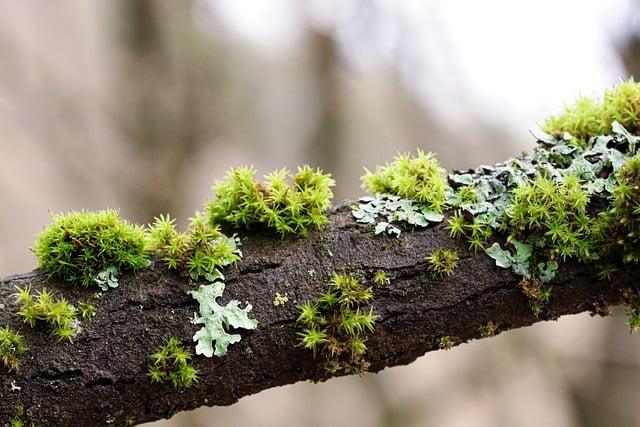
pixel 165 105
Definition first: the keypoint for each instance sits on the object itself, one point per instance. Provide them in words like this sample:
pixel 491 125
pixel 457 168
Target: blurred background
pixel 142 104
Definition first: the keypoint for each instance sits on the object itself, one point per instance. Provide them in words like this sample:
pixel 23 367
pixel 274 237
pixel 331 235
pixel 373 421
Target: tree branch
pixel 102 379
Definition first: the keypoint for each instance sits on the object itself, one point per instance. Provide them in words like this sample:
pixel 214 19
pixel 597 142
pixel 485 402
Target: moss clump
pixel 11 348
pixel 171 363
pixel 43 307
pixel 445 342
pixel 336 324
pixel 381 278
pixel 199 252
pixel 477 231
pixel 619 227
pixel 287 203
pixel 442 262
pixel 489 330
pixel 551 216
pixel 419 178
pixel 587 117
pixel 77 246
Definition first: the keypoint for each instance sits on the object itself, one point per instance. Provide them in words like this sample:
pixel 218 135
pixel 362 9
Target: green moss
pixel 381 278
pixel 44 307
pixel 11 348
pixel 171 363
pixel 618 228
pixel 588 118
pixel 199 252
pixel 87 310
pixel 287 203
pixel 336 324
pixel 420 178
pixel 551 215
pixel 445 342
pixel 442 262
pixel 79 245
pixel 489 330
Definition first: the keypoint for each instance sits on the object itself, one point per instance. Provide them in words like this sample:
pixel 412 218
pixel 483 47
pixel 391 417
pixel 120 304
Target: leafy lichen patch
pixel 215 318
pixel 387 212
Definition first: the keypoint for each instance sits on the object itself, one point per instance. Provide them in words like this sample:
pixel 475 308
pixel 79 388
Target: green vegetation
pixel 418 178
pixel 386 209
pixel 215 318
pixel 587 118
pixel 57 313
pixel 79 245
pixel 280 299
pixel 551 215
pixel 488 330
pixel 171 363
pixel 381 278
pixel 287 203
pixel 199 252
pixel 87 310
pixel 442 262
pixel 445 342
pixel 336 324
pixel 619 227
pixel 11 348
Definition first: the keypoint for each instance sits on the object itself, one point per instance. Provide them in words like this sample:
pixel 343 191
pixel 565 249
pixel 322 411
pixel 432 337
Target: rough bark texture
pixel 102 378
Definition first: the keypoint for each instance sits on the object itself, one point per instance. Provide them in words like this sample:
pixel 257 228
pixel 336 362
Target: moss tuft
pixel 442 262
pixel 420 178
pixel 43 307
pixel 551 215
pixel 77 246
pixel 619 227
pixel 199 252
pixel 171 363
pixel 587 118
pixel 288 203
pixel 11 348
pixel 336 325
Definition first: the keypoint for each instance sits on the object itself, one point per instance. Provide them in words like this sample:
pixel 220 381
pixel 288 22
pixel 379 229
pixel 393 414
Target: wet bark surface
pixel 101 378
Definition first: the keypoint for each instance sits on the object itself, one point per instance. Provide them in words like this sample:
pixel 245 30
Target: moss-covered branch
pixel 102 333
pixel 103 378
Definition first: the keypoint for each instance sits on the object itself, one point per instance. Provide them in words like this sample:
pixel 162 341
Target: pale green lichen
pixel 215 318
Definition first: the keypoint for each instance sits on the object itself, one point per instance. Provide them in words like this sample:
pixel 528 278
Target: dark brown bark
pixel 102 377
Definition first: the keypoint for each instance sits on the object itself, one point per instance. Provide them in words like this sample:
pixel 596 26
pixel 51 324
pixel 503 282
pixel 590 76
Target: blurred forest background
pixel 142 104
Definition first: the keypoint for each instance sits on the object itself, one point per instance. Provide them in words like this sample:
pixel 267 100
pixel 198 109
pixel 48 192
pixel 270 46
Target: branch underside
pixel 102 379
